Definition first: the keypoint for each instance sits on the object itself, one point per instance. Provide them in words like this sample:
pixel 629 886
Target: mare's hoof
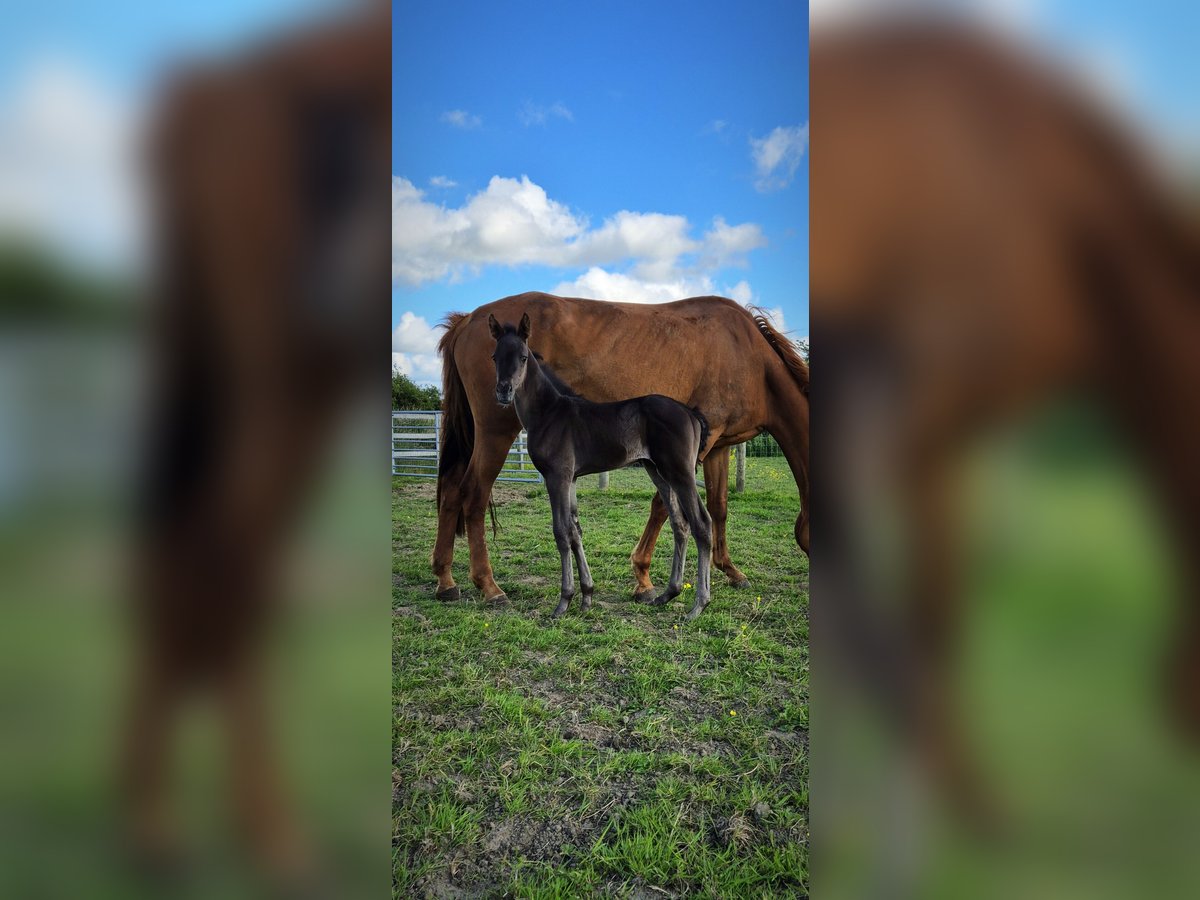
pixel 645 596
pixel 744 584
pixel 499 600
pixel 449 595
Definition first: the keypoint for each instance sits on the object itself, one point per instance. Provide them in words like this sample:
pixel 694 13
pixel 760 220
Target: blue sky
pixel 633 126
pixel 640 151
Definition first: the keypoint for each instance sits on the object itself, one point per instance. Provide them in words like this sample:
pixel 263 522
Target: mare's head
pixel 511 357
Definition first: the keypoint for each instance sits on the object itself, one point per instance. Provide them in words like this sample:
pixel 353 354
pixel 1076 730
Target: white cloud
pixel 414 349
pixel 441 181
pixel 647 236
pixel 741 293
pixel 599 284
pixel 414 335
pixel 716 126
pixel 635 287
pixel 513 222
pixel 68 164
pixel 726 244
pixel 531 113
pixel 1016 14
pixel 423 368
pixel 460 118
pixel 777 156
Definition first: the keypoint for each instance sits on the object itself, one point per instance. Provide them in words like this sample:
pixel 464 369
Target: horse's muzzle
pixel 504 397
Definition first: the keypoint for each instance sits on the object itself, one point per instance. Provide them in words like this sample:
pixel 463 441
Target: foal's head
pixel 511 357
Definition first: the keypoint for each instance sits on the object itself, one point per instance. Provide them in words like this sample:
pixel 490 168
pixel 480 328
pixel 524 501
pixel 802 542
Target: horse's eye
pixel 524 359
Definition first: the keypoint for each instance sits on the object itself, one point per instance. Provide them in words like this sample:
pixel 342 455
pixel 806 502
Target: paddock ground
pixel 622 753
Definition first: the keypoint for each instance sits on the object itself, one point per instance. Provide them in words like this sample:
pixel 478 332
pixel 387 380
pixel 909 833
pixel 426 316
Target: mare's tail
pixel 458 425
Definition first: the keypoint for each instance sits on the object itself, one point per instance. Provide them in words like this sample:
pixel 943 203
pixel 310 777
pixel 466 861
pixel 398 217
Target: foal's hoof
pixel 693 613
pixel 744 584
pixel 660 600
pixel 643 596
pixel 499 600
pixel 449 595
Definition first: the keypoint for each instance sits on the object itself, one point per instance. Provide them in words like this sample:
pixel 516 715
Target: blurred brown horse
pixel 982 239
pixel 707 352
pixel 271 221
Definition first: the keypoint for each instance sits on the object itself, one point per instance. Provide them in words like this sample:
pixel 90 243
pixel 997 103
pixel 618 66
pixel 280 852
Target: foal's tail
pixel 458 425
pixel 704 430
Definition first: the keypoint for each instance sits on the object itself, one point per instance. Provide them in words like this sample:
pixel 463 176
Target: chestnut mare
pixel 272 248
pixel 1010 244
pixel 707 352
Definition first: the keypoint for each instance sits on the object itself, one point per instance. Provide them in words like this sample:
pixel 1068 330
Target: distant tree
pixel 406 394
pixel 38 286
pixel 802 346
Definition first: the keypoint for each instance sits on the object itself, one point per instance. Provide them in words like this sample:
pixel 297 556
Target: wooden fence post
pixel 604 481
pixel 740 455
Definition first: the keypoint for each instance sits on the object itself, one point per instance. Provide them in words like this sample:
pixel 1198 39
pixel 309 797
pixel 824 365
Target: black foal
pixel 570 436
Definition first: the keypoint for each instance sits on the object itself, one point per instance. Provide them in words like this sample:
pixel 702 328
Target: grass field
pixel 620 753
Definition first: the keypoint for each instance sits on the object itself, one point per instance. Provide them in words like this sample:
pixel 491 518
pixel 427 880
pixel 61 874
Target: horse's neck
pixel 789 426
pixel 537 396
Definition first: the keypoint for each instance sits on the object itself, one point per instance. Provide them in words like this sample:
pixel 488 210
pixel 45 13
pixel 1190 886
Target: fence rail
pixel 417 447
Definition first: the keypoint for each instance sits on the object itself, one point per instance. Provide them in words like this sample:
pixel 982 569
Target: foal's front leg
pixel 559 489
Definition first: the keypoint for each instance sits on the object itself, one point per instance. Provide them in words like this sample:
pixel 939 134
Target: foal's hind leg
pixel 679 528
pixel 696 516
pixel 585 575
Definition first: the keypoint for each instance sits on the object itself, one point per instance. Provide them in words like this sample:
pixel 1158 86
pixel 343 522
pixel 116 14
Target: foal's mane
pixel 559 385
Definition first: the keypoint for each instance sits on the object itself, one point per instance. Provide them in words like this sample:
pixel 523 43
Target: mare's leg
pixel 933 607
pixel 259 799
pixel 716 481
pixel 679 528
pixel 585 575
pixel 450 507
pixel 643 553
pixel 559 489
pixel 491 447
pixel 145 768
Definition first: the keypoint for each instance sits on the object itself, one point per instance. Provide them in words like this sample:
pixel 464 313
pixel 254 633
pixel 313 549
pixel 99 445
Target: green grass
pixel 614 752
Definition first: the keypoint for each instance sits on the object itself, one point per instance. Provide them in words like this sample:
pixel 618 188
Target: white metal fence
pixel 417 446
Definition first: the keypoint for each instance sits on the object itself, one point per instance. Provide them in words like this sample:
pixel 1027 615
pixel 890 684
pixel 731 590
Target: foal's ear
pixel 523 328
pixel 494 327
